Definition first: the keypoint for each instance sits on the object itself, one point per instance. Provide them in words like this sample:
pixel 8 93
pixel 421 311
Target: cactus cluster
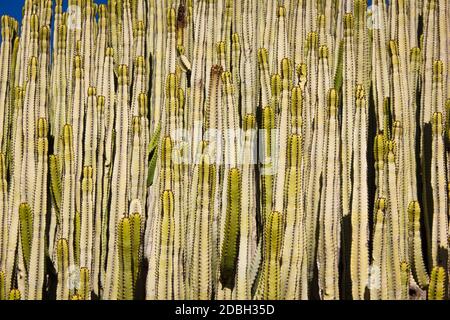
pixel 225 149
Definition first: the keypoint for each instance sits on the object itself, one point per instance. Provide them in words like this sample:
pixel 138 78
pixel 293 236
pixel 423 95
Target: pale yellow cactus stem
pixel 348 111
pixel 376 279
pixel 263 62
pixel 14 195
pixel 165 270
pixel 282 139
pixel 218 149
pixel 418 265
pixel 316 152
pixel 171 41
pixel 200 242
pixel 37 258
pixel 248 227
pixel 3 213
pixel 281 49
pixel 97 219
pixel 380 75
pixel 294 256
pixel 119 176
pixel 5 64
pixel 394 229
pixel 87 217
pixel 330 212
pixel 269 280
pixel 359 207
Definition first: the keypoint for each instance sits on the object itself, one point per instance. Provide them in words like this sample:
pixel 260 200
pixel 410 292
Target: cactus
pixel 200 238
pixel 378 248
pixel 15 294
pixel 55 183
pixel 230 247
pixel 26 232
pixel 330 215
pixel 125 278
pixel 417 261
pixel 62 252
pixel 293 257
pixel 244 149
pixel 359 206
pixel 269 279
pixel 437 284
pixel 85 286
pixel 2 286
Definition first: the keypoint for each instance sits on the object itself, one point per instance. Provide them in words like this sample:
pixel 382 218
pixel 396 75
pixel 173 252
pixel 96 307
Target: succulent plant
pixel 225 150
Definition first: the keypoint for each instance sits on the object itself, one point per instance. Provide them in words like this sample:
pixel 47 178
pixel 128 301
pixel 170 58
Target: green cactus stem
pixel 230 245
pixel 269 280
pixel 26 232
pixel 14 294
pixel 125 260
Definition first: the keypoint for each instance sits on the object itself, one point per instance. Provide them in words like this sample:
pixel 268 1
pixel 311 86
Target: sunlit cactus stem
pixel 268 287
pixel 230 245
pixel 225 149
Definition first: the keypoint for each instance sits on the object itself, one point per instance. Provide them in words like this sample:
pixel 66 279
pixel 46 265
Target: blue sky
pixel 11 8
pixel 14 7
